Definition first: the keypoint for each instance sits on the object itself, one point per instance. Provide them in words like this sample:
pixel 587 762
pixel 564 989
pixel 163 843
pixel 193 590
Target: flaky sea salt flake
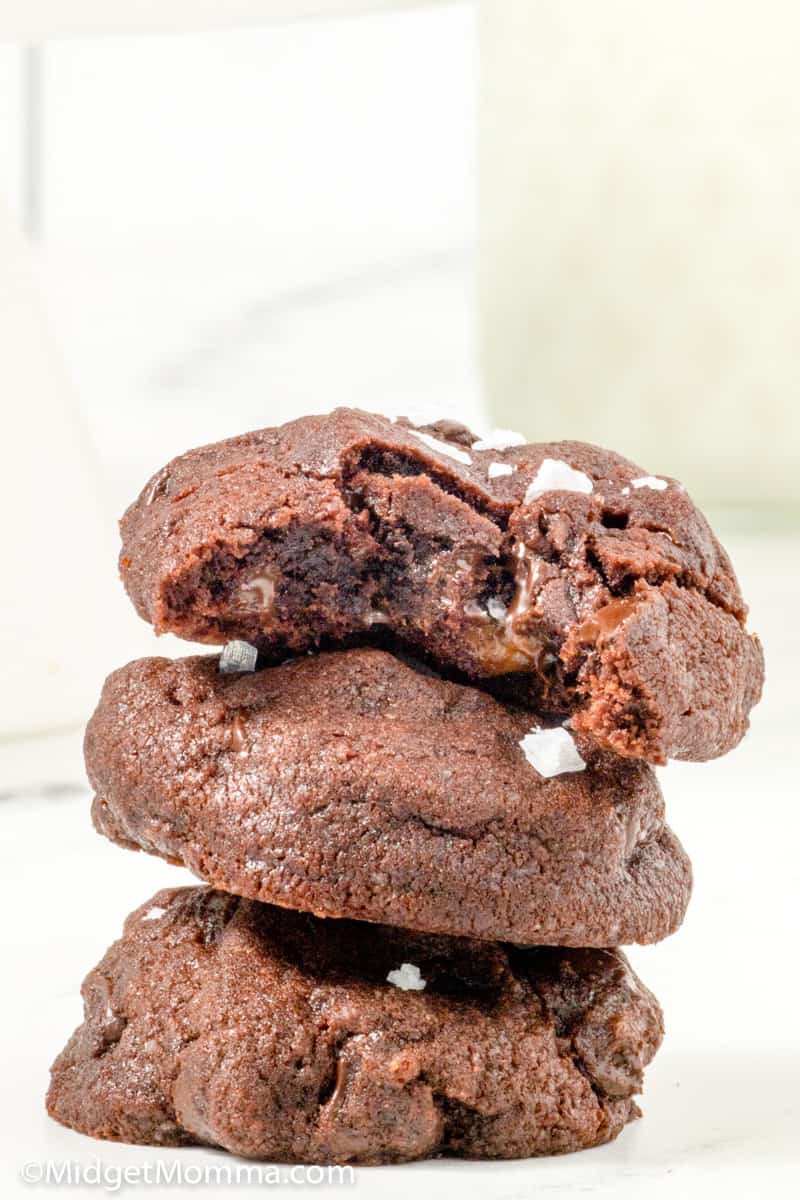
pixel 407 977
pixel 557 476
pixel 499 439
pixel 552 752
pixel 650 481
pixel 496 469
pixel 154 913
pixel 237 656
pixel 443 447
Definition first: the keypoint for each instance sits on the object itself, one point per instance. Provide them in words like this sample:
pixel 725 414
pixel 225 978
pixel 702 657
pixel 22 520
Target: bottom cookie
pixel 274 1034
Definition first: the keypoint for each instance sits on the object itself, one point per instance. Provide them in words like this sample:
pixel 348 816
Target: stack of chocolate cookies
pixel 416 783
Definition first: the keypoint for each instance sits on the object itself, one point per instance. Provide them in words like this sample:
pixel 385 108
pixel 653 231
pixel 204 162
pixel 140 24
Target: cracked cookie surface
pixel 558 573
pixel 277 1035
pixel 355 784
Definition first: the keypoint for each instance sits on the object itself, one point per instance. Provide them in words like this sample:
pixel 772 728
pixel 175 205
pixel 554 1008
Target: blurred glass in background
pixel 640 251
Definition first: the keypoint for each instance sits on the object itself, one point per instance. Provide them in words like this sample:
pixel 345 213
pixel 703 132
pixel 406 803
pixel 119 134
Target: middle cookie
pixel 353 784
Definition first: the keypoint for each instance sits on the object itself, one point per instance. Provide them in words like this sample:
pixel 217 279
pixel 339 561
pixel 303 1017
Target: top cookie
pixel 562 573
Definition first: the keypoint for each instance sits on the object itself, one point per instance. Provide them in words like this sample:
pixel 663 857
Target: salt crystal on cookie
pixel 443 447
pixel 499 439
pixel 557 476
pixel 154 913
pixel 407 977
pixel 650 481
pixel 237 656
pixel 552 752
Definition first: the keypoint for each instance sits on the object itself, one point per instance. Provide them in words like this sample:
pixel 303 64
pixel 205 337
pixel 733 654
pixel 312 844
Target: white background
pixel 242 226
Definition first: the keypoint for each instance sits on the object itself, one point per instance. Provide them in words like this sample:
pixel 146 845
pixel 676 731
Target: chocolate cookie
pixel 274 1034
pixel 584 585
pixel 351 784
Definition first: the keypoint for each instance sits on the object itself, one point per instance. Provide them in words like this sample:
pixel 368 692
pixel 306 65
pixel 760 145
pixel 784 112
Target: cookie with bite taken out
pixel 560 574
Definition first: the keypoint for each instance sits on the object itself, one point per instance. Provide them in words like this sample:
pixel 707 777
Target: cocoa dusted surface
pixel 350 526
pixel 274 1034
pixel 353 784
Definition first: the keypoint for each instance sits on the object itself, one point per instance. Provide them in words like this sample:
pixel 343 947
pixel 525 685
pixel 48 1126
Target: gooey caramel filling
pixel 502 650
pixel 606 620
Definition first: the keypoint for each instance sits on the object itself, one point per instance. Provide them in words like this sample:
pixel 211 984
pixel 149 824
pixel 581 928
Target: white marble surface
pixel 721 1106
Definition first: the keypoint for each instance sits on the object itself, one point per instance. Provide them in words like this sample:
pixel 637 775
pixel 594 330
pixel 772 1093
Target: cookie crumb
pixel 407 977
pixel 496 469
pixel 650 481
pixel 557 476
pixel 499 439
pixel 237 656
pixel 552 752
pixel 443 447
